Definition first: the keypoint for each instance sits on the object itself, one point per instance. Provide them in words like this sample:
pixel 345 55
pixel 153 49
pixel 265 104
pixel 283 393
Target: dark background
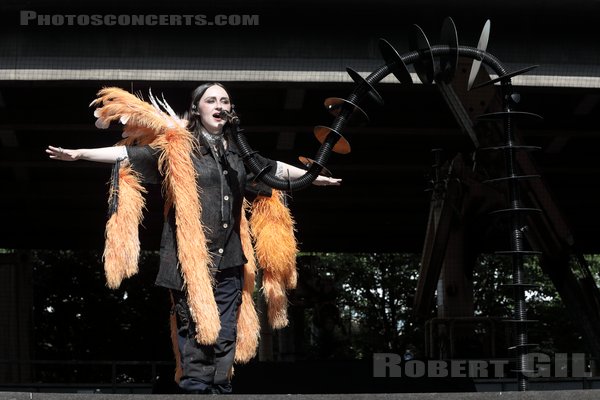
pixel 382 205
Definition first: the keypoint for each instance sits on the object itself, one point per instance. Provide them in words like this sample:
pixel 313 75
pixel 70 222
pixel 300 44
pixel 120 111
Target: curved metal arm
pixel 361 89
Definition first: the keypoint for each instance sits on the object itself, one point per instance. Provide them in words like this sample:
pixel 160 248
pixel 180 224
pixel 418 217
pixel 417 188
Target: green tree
pixel 76 317
pixel 373 295
pixel 555 330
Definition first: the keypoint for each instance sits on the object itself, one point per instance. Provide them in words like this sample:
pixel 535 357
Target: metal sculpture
pixel 438 65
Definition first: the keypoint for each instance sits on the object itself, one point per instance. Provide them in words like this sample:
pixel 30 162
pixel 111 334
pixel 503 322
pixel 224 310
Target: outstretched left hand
pixel 327 181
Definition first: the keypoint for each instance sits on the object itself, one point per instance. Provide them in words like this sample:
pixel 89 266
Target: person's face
pixel 214 99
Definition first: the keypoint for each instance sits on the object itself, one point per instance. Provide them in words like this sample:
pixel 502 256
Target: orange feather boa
pixel 272 226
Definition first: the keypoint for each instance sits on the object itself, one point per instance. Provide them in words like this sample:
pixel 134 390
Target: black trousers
pixel 207 368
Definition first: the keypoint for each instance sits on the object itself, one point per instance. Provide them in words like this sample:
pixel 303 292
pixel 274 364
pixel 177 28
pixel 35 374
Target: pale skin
pixel 212 102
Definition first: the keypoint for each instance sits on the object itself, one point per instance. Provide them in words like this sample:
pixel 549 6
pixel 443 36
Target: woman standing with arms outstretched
pixel 206 323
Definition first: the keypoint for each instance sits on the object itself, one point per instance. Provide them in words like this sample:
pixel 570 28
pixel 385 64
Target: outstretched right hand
pixel 58 153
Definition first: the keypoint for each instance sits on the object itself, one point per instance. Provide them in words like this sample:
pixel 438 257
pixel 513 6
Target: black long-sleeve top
pixel 222 182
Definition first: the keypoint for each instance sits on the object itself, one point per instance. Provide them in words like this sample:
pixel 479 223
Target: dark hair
pixel 192 115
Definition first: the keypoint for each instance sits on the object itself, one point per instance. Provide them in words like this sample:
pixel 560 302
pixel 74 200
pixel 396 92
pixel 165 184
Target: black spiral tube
pixel 322 156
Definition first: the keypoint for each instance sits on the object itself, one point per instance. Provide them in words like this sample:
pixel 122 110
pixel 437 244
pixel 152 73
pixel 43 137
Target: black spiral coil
pixel 516 214
pixel 363 88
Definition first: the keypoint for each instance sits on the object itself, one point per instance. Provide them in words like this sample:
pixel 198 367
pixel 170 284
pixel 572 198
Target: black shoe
pixel 222 389
pixel 208 390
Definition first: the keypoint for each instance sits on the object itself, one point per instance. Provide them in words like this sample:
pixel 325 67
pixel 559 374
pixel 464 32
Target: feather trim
pixel 177 167
pixel 140 118
pixel 272 226
pixel 122 244
pixel 248 325
pixel 146 123
pixel 276 298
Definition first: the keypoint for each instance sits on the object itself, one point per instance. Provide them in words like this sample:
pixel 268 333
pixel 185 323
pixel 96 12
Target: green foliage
pixel 555 331
pixel 373 296
pixel 76 317
pixel 351 306
pixel 358 304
